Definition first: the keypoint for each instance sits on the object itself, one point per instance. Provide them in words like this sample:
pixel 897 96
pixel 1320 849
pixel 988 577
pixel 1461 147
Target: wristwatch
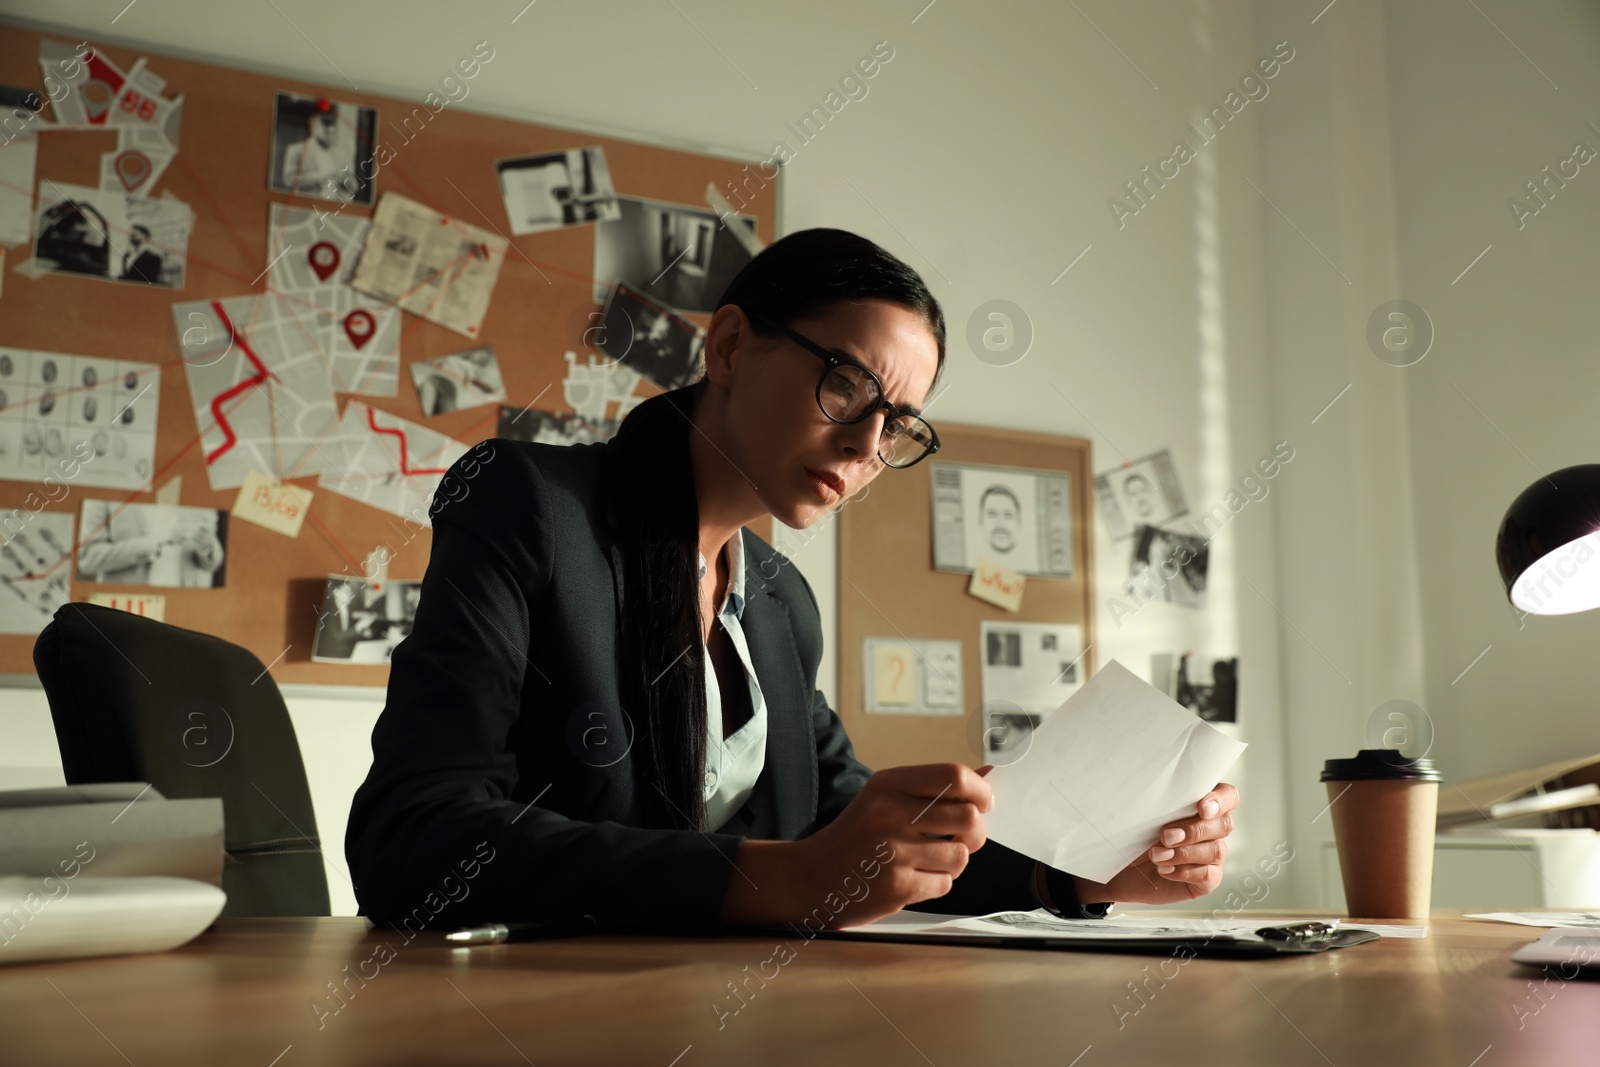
pixel 1065 893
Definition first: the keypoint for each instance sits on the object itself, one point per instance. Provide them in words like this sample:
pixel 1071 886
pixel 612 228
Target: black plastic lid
pixel 1382 764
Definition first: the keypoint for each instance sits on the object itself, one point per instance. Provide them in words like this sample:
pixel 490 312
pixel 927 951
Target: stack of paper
pixel 102 869
pixel 55 917
pixel 117 828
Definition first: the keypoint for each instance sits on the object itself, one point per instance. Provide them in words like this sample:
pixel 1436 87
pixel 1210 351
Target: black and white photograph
pixel 1144 492
pixel 1031 665
pixel 361 621
pixel 1206 685
pixel 553 190
pixel 322 149
pixel 652 339
pixel 112 236
pixel 1007 736
pixel 152 544
pixel 1019 518
pixel 1168 566
pixel 546 427
pixel 680 256
pixel 459 380
pixel 35 575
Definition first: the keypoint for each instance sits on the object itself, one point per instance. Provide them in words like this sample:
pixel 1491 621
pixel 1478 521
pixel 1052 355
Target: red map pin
pixel 324 259
pixel 359 327
pixel 132 168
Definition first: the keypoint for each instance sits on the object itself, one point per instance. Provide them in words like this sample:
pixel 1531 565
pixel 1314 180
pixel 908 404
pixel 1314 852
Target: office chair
pixel 135 700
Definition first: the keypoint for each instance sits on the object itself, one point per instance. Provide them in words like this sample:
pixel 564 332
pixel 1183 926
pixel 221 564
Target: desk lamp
pixel 1549 543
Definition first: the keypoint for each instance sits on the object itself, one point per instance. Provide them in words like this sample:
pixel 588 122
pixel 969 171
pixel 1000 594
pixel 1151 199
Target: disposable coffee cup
pixel 1384 808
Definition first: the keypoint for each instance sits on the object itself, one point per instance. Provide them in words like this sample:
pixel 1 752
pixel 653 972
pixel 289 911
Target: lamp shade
pixel 1549 543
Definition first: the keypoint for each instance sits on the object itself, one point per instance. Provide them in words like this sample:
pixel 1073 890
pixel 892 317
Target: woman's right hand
pixel 884 850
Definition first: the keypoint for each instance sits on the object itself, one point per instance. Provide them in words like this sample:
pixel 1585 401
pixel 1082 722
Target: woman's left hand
pixel 1178 868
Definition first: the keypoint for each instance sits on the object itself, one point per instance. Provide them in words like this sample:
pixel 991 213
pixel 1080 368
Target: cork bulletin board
pixel 890 588
pixel 541 316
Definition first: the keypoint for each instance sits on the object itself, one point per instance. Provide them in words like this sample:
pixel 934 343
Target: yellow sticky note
pixel 279 506
pixel 994 583
pixel 891 673
pixel 150 606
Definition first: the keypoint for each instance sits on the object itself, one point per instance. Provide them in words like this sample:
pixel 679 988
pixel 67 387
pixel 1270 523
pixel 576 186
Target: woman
pixel 584 720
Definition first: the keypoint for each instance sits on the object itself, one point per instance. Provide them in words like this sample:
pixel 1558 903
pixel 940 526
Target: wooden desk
pixel 243 994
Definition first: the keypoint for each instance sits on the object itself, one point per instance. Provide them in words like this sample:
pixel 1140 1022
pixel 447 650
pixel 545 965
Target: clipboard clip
pixel 1316 930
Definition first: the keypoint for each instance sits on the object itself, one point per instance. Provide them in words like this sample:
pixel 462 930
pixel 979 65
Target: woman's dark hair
pixel 806 273
pixel 796 277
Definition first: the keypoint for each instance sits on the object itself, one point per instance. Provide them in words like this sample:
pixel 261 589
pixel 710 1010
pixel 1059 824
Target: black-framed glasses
pixel 848 392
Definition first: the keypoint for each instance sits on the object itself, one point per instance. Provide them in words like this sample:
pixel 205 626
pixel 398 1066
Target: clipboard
pixel 1216 947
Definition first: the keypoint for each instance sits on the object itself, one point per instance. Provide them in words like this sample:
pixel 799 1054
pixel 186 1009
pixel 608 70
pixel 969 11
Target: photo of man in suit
pixel 362 621
pixel 152 544
pixel 113 236
pixel 322 148
pixel 313 165
pixel 140 263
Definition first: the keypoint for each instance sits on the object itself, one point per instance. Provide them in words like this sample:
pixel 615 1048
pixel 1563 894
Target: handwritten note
pixel 994 583
pixel 891 673
pixel 279 506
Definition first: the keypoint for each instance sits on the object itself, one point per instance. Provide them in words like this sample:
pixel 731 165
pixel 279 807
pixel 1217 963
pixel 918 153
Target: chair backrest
pixel 196 716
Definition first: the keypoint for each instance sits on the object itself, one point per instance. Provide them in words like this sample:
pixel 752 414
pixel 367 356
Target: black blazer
pixel 146 267
pixel 504 784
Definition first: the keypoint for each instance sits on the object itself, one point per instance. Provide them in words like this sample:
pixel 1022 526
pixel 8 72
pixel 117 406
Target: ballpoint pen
pixel 495 933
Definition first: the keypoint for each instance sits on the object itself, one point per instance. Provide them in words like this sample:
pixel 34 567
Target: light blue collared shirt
pixel 734 764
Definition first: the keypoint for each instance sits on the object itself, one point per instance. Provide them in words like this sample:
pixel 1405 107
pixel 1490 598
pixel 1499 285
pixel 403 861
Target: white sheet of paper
pixel 1579 919
pixel 93 916
pixel 1103 773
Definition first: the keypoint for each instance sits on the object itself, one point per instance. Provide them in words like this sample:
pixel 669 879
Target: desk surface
pixel 247 992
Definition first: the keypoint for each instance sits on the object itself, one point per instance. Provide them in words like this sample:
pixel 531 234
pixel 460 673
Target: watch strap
pixel 1065 894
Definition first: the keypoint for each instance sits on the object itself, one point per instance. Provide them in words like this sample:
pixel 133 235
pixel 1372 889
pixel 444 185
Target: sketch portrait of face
pixel 999 513
pixel 1140 495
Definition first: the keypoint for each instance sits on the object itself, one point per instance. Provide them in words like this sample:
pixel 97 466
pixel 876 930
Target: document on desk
pixel 1103 773
pixel 1127 927
pixel 1040 922
pixel 1581 919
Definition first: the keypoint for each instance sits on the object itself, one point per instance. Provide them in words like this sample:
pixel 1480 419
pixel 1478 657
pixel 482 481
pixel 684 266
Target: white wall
pixel 1396 162
pixel 1347 599
pixel 1510 392
pixel 1221 319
